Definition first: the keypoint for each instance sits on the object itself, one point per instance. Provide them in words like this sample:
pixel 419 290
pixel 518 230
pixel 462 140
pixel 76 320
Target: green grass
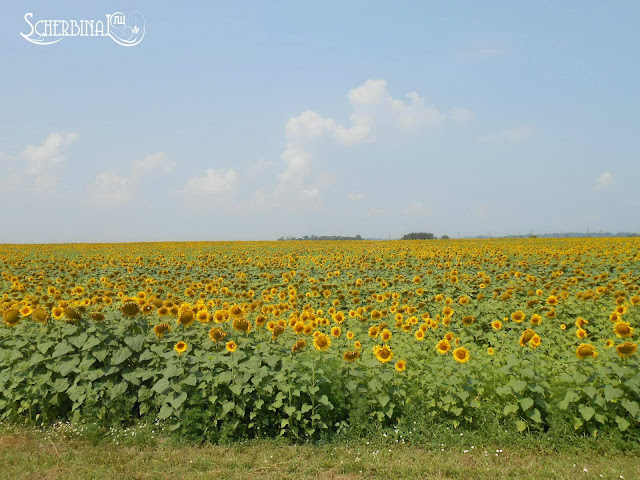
pixel 64 453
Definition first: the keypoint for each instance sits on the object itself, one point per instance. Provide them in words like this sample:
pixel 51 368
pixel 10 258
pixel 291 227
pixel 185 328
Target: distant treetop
pixel 419 236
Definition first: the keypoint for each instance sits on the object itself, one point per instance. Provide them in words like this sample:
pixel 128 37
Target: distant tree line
pixel 322 237
pixel 423 236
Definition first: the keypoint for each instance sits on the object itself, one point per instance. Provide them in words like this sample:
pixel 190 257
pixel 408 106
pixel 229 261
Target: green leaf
pixel 161 385
pixel 61 349
pixel 177 401
pixel 526 403
pixel 44 346
pixel 631 407
pixel 79 341
pixel 611 393
pixel 61 384
pixel 521 426
pixel 586 412
pixel 120 356
pixel 510 408
pixel 165 412
pixel 623 424
pixel 383 399
pixel 518 385
pixel 135 343
pixel 119 389
pixel 65 368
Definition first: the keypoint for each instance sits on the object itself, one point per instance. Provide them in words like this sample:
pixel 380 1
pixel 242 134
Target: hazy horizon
pixel 253 122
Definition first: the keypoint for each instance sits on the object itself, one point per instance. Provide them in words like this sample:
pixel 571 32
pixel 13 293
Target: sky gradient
pixel 255 120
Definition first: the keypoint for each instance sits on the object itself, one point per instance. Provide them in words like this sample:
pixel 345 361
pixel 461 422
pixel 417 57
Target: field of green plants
pixel 304 340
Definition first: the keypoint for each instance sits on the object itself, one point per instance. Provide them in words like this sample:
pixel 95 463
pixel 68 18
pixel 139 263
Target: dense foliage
pixel 305 338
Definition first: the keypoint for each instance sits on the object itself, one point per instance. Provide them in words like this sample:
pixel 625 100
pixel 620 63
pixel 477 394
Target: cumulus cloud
pixel 213 182
pixel 509 135
pixel 604 180
pixel 375 112
pixel 40 159
pixel 112 190
pixel 151 163
pixel 43 161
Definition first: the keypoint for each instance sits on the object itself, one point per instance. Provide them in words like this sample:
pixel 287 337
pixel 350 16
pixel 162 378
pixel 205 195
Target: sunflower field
pixel 305 339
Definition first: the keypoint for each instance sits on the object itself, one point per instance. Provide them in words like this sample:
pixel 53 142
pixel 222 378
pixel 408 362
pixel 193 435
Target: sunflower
pixel 496 325
pixel 526 337
pixel 443 347
pixel 609 343
pixel 468 320
pixel 357 345
pixel 581 322
pixel 461 355
pixel 350 335
pixel 518 316
pixel 130 308
pixel 321 342
pixel 231 346
pixel 586 350
pixel 216 334
pixel 535 341
pixel 419 335
pixel 56 312
pixel 186 318
pixel 401 365
pixel 536 319
pixel 26 311
pixel 623 329
pixel 386 335
pixel 161 328
pixel 241 324
pixel 336 332
pixel 581 333
pixel 203 316
pixel 40 315
pixel 180 347
pixel 626 349
pixel 236 311
pixel 12 317
pixel 491 351
pixel 351 356
pixel 299 346
pixel 383 353
pixel 552 300
pixel 374 332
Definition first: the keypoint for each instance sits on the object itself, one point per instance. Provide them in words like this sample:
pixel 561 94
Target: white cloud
pixel 375 112
pixel 356 197
pixel 110 190
pixel 5 157
pixel 604 180
pixel 212 183
pixel 509 135
pixel 260 165
pixel 41 159
pixel 151 163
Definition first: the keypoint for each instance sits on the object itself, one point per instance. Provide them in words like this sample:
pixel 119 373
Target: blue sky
pixel 253 120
